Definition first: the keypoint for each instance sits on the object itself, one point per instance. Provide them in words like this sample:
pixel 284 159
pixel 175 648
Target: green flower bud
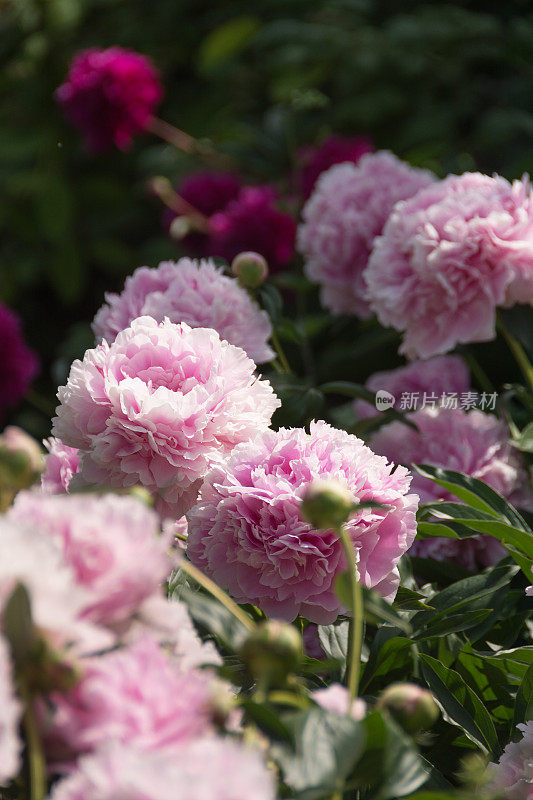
pixel 326 504
pixel 21 459
pixel 272 652
pixel 413 708
pixel 250 268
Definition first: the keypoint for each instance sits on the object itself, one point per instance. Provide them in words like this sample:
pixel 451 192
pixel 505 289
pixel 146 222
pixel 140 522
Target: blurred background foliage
pixel 448 86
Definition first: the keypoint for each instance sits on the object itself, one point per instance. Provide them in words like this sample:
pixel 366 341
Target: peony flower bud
pixel 250 268
pixel 21 459
pixel 272 652
pixel 326 504
pixel 413 708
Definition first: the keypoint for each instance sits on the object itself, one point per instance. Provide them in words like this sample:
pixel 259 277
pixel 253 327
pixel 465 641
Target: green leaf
pixel 453 623
pixel 461 704
pixel 523 709
pixel 215 618
pixel 326 748
pixel 225 42
pixel 473 492
pixel 334 641
pixel 272 302
pixel 18 626
pixel 377 610
pixel 390 657
pixel 525 440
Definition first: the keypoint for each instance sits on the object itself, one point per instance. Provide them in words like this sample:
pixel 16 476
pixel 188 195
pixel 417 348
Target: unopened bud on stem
pixel 327 504
pixel 413 708
pixel 250 268
pixel 272 652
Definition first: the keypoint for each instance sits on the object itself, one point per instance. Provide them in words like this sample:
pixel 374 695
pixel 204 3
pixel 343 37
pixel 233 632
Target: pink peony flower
pixel 18 364
pixel 57 602
pixel 347 210
pixel 113 545
pixel 470 442
pixel 247 534
pixel 193 292
pixel 448 257
pixel 158 407
pixel 336 699
pixel 61 463
pixel 10 717
pixel 110 96
pixel 253 222
pixel 314 160
pixel 133 695
pixel 206 769
pixel 513 774
pixel 424 379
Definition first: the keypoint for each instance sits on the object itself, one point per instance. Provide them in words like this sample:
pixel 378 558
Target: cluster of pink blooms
pixel 93 567
pixel 470 442
pixel 204 769
pixel 158 407
pixel 448 257
pixel 312 161
pixel 434 377
pixel 193 292
pixel 238 218
pixel 110 96
pixel 18 364
pixel 347 210
pixel 512 776
pixel 247 534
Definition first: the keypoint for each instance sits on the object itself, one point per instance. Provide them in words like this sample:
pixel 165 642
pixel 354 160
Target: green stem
pixel 34 750
pixel 479 373
pixel 518 352
pixel 355 631
pixel 217 593
pixel 279 350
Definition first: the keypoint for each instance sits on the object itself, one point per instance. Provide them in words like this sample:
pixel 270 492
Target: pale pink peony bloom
pixel 206 769
pixel 57 602
pixel 448 257
pixel 470 442
pixel 512 776
pixel 61 463
pixel 10 717
pixel 195 292
pixel 112 543
pixel 158 407
pixel 349 206
pixel 336 700
pixel 134 694
pixel 426 380
pixel 247 533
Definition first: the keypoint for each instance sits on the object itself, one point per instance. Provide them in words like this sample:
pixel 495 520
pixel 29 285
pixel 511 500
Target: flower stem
pixel 518 352
pixel 355 630
pixel 34 750
pixel 186 143
pixel 218 593
pixel 280 352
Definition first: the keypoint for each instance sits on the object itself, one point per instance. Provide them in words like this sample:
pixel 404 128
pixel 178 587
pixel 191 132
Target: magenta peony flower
pixel 57 602
pixel 193 292
pixel 205 769
pixel 134 695
pixel 425 379
pixel 253 222
pixel 347 210
pixel 18 364
pixel 10 717
pixel 336 700
pixel 110 96
pixel 158 407
pixel 113 545
pixel 470 442
pixel 61 463
pixel 247 533
pixel 513 774
pixel 207 192
pixel 448 257
pixel 314 160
